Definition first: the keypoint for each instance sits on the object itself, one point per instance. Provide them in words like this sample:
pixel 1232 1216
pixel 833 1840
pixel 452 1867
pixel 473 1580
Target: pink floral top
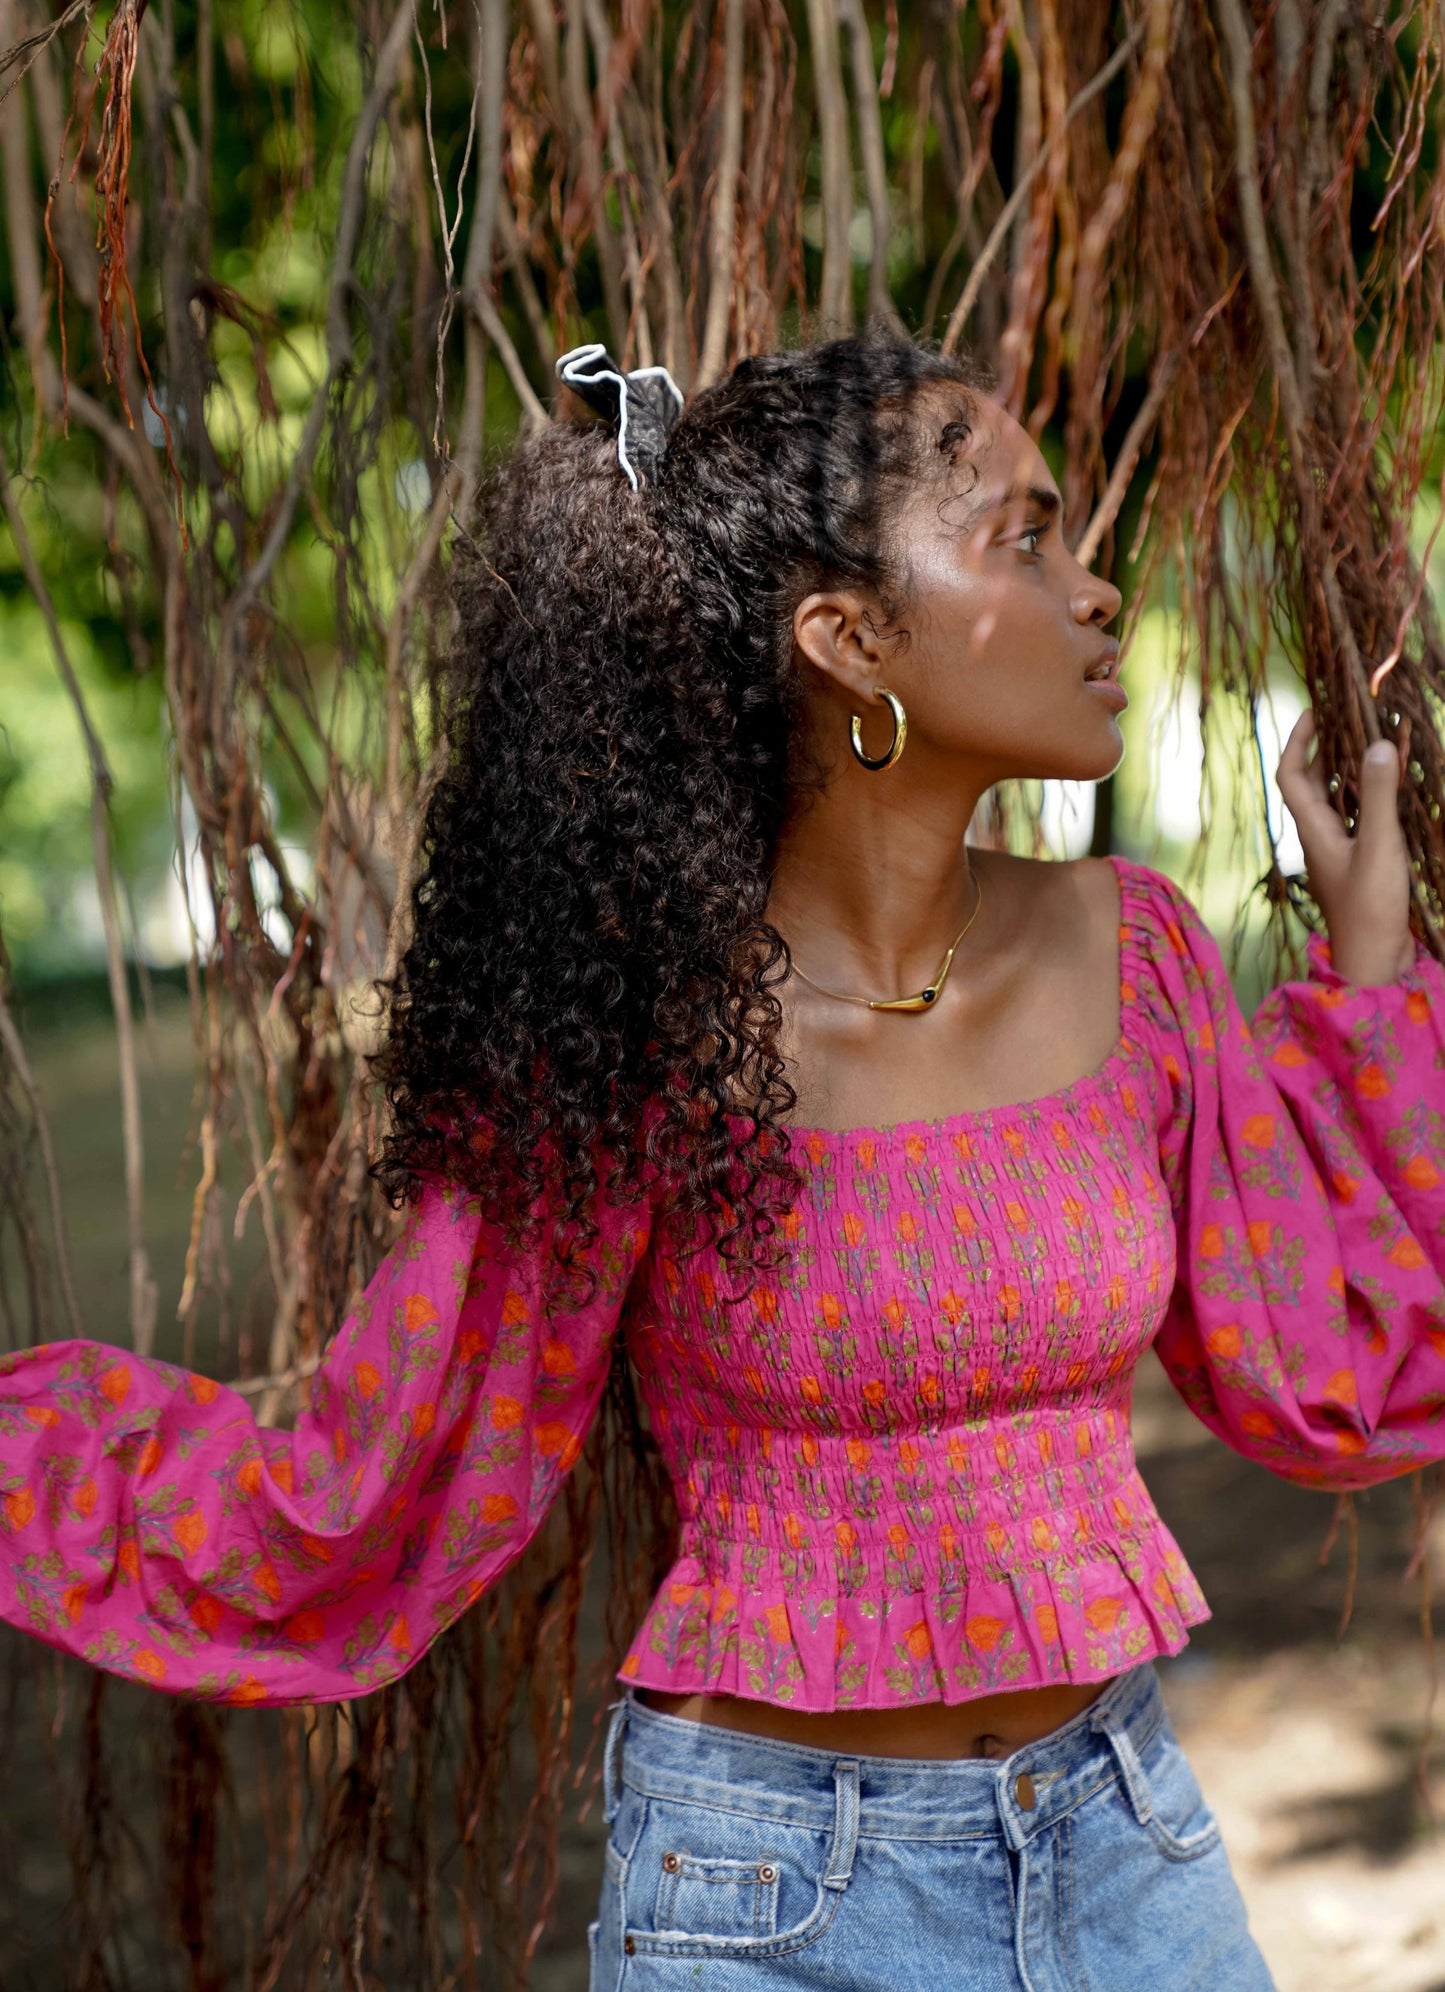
pixel 904 1466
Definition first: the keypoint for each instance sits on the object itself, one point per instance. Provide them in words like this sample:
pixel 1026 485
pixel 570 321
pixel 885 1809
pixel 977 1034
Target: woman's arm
pixel 1305 1157
pixel 150 1526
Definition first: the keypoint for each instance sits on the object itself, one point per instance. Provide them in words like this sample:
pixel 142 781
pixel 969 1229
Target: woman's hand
pixel 1361 883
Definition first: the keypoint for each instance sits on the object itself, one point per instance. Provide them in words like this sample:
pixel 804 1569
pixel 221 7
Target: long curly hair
pixel 592 976
pixel 590 993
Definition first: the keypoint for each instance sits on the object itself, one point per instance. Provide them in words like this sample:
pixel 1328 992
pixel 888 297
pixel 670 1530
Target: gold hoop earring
pixel 900 733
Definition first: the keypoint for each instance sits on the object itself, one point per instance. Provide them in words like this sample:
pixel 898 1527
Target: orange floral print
pixel 919 1642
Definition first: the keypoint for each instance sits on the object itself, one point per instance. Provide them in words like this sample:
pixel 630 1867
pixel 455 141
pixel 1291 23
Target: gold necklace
pixel 926 997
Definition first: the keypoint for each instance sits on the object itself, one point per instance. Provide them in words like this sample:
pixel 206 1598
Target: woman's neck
pixel 871 886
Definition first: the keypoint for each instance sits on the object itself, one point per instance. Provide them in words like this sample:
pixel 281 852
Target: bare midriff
pixel 991 1726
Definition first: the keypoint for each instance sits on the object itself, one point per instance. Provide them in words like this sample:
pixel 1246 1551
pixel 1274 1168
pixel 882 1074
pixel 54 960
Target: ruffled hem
pixel 1035 1628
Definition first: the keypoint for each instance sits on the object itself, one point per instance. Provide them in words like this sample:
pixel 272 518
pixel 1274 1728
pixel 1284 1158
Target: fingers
pixel 1296 770
pixel 1302 784
pixel 1302 778
pixel 1296 749
pixel 1381 772
pixel 1361 883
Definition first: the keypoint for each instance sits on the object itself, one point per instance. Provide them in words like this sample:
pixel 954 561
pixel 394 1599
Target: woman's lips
pixel 1109 690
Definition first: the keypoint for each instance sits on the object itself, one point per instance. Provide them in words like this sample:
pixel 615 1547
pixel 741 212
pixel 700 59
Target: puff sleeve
pixel 149 1525
pixel 1305 1158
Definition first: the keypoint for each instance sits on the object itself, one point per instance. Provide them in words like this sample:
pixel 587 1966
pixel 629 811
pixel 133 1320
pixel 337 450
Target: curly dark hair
pixel 592 978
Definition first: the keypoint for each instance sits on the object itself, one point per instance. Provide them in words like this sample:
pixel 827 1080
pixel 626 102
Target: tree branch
pixel 490 59
pixel 13 1047
pixel 835 301
pixel 875 166
pixel 338 324
pixel 998 234
pixel 1266 293
pixel 142 1286
pixel 723 248
pixel 1107 509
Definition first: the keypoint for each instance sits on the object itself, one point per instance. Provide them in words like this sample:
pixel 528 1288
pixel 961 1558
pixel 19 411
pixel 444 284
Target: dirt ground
pixel 1312 1778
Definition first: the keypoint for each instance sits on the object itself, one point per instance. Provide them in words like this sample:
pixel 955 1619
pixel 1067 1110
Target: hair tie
pixel 644 404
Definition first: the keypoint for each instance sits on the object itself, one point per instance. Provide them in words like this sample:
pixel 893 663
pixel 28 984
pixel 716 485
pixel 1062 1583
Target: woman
pixel 711 1046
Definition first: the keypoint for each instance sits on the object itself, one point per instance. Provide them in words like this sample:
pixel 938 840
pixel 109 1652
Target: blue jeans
pixel 1086 1862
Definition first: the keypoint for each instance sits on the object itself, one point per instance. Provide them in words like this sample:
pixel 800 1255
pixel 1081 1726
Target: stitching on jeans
pixel 709 1805
pixel 1170 1844
pixel 1119 1774
pixel 744 1876
pixel 747 1871
pixel 1068 1922
pixel 649 1943
pixel 847 1812
pixel 1141 1743
pixel 830 1890
pixel 1060 1852
pixel 641 1828
pixel 1183 1851
pixel 1068 1811
pixel 884 1833
pixel 1021 1905
pixel 615 1864
pixel 651 1792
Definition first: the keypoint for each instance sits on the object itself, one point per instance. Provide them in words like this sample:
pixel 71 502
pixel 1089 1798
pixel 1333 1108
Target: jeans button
pixel 1024 1795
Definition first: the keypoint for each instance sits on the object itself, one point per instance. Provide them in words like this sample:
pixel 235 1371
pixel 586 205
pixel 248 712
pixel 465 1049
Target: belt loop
pixel 1135 1777
pixel 845 1823
pixel 611 1752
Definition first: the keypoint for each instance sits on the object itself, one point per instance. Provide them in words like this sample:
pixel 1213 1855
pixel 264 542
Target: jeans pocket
pixel 720 1896
pixel 704 1883
pixel 707 1881
pixel 1178 1819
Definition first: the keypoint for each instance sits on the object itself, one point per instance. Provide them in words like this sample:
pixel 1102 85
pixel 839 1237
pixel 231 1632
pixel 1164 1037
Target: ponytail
pixel 592 975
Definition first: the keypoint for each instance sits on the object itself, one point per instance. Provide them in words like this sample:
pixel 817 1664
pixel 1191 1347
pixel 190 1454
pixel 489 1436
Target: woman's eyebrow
pixel 1043 496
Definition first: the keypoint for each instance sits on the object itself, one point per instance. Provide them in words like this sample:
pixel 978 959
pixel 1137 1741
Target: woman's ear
pixel 838 635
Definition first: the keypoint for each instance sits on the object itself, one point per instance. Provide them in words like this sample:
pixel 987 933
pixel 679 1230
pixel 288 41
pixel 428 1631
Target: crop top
pixel 903 1467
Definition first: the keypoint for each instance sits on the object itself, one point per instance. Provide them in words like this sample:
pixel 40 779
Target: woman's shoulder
pixel 1085 901
pixel 1128 918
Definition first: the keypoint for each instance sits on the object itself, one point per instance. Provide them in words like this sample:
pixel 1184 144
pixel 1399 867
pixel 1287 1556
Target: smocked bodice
pixel 904 1465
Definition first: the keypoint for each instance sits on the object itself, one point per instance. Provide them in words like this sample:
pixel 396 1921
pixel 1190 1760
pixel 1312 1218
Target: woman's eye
pixel 1034 533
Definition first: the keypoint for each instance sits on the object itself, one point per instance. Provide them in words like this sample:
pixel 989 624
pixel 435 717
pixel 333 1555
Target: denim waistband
pixel 669 1756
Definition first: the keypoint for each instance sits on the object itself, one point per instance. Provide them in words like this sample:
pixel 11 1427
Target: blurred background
pixel 278 280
